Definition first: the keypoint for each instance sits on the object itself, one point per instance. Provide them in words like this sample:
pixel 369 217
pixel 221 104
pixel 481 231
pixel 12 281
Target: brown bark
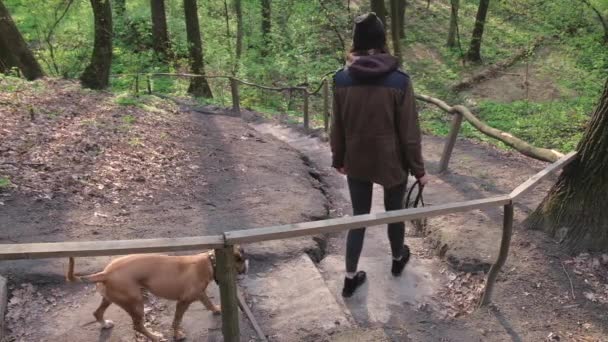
pixel 380 9
pixel 574 211
pixel 402 6
pixel 14 51
pixel 395 29
pixel 238 8
pixel 198 85
pixel 97 74
pixel 266 26
pixel 474 53
pixel 160 36
pixel 455 5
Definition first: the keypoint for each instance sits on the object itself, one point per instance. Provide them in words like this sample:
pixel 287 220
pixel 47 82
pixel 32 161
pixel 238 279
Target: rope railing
pixel 224 244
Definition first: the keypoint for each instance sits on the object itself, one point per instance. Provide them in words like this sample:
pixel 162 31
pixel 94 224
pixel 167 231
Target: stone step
pixel 291 302
pixel 383 298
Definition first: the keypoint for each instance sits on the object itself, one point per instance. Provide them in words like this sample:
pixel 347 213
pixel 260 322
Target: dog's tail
pixel 93 278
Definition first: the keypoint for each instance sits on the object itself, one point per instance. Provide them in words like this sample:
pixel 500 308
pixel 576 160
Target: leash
pixel 419 197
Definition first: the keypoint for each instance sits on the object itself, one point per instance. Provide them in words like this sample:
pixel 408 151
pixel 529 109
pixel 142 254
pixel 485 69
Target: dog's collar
pixel 213 266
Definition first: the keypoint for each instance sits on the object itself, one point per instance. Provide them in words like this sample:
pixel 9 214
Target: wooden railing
pixel 458 113
pixel 224 243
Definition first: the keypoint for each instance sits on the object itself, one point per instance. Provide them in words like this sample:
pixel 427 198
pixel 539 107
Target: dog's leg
pixel 207 303
pixel 135 309
pixel 105 324
pixel 180 309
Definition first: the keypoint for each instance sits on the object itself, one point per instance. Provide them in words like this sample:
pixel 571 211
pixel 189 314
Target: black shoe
pixel 399 265
pixel 350 285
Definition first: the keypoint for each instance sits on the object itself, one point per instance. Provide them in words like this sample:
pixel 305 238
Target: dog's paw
pixel 179 335
pixel 107 324
pixel 216 310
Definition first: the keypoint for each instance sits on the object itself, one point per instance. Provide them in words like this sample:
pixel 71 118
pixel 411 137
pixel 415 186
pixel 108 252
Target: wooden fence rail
pixel 223 244
pixel 460 112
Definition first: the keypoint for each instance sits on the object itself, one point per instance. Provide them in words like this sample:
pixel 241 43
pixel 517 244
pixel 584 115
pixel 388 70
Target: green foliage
pixel 309 39
pixel 128 119
pixel 5 183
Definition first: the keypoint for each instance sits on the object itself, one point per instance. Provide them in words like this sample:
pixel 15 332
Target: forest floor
pixel 80 165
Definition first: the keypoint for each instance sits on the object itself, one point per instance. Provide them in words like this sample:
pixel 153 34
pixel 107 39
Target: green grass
pixel 5 183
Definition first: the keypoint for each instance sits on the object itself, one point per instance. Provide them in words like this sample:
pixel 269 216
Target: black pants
pixel 361 198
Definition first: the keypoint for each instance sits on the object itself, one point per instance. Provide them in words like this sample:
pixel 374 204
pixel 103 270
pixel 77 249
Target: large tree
pixel 198 85
pixel 266 26
pixel 14 52
pixel 396 28
pixel 402 7
pixel 160 36
pixel 474 53
pixel 97 74
pixel 575 210
pixel 454 5
pixel 238 8
pixel 379 8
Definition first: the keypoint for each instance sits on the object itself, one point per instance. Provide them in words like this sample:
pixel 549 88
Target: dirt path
pixel 432 302
pixel 136 171
pixel 228 174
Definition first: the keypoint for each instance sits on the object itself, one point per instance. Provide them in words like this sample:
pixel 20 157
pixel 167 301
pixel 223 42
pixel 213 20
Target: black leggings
pixel 361 198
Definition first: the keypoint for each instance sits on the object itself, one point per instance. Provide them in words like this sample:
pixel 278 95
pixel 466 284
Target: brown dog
pixel 180 278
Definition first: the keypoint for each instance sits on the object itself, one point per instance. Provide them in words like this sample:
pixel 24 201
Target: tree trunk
pixel 14 51
pixel 603 21
pixel 455 5
pixel 238 8
pixel 575 208
pixel 402 6
pixel 474 54
pixel 380 9
pixel 395 29
pixel 160 37
pixel 97 74
pixel 266 26
pixel 198 85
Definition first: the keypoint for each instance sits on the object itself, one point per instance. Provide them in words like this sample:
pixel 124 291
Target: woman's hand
pixel 342 170
pixel 423 180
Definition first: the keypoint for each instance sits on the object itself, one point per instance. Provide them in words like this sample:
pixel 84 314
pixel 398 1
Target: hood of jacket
pixel 367 67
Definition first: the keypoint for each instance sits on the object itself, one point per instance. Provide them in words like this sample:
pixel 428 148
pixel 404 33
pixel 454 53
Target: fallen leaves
pixel 462 293
pixel 79 145
pixel 594 271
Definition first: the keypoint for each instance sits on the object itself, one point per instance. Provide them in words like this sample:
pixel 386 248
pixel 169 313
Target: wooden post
pixel 226 276
pixel 149 82
pixel 306 119
pixel 236 102
pixel 326 105
pixel 449 144
pixel 507 233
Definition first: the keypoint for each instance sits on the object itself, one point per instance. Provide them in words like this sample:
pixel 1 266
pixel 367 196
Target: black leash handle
pixel 419 198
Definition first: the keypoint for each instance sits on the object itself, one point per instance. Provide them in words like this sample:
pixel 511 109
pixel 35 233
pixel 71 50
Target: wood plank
pixel 226 276
pixel 505 243
pixel 103 248
pixel 449 144
pixel 533 181
pixel 346 223
pixel 245 308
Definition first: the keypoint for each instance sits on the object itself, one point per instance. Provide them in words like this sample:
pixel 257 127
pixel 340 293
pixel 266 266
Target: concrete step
pixel 292 302
pixel 384 298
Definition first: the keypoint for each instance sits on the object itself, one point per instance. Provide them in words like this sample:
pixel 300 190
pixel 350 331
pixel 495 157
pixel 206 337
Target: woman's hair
pixel 353 54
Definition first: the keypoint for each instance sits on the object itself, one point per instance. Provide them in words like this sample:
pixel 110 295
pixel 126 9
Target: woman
pixel 375 138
